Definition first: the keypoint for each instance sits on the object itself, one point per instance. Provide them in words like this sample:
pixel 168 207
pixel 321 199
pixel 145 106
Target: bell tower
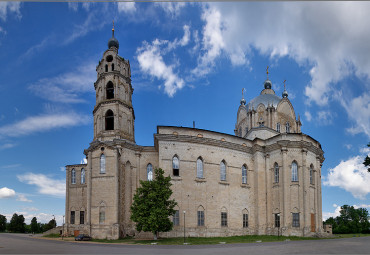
pixel 113 112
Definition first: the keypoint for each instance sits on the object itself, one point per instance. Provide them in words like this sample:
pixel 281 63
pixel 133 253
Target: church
pixel 264 180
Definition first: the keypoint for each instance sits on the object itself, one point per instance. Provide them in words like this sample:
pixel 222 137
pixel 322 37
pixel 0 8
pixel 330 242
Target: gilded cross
pixel 267 72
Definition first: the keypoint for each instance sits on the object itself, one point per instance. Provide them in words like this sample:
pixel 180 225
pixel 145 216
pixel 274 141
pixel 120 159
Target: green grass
pixel 350 235
pixel 208 240
pixel 52 235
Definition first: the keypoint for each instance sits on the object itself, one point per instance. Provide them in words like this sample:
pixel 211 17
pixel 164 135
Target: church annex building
pixel 265 179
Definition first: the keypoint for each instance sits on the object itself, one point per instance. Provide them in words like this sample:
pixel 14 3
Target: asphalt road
pixel 24 244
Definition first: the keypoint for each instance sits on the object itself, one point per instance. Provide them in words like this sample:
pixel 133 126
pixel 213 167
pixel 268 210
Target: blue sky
pixel 189 62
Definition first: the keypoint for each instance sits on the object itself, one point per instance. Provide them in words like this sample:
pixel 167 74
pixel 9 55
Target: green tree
pixel 2 223
pixel 17 224
pixel 152 205
pixel 367 161
pixel 52 224
pixel 34 225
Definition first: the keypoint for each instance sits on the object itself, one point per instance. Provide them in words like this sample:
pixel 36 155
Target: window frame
pixel 244 174
pixel 200 168
pixel 103 162
pixel 175 166
pixel 295 220
pixel 73 176
pixel 287 127
pixel 277 220
pixel 82 217
pixel 276 173
pixel 245 220
pixel 223 219
pixel 312 174
pixel 109 120
pixel 223 171
pixel 176 218
pixel 149 172
pixel 294 171
pixel 200 218
pixel 83 176
pixel 73 217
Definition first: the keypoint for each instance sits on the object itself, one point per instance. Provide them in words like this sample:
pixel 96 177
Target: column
pixel 285 183
pixel 305 193
pixel 89 177
pixel 268 188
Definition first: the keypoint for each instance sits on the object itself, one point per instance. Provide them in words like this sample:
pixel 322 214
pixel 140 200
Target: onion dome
pixel 242 101
pixel 267 84
pixel 113 42
pixel 285 93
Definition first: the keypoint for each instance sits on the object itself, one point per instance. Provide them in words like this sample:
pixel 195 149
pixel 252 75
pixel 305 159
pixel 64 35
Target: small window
pixel 294 172
pixel 176 218
pixel 276 173
pixel 311 175
pixel 109 120
pixel 102 164
pixel 101 217
pixel 106 68
pixel 244 174
pixel 200 215
pixel 277 220
pixel 223 170
pixel 110 90
pixel 199 168
pixel 175 166
pixel 223 219
pixel 278 127
pixel 109 58
pixel 112 67
pixel 73 214
pixel 149 171
pixel 287 127
pixel 83 176
pixel 82 217
pixel 295 222
pixel 245 220
pixel 73 176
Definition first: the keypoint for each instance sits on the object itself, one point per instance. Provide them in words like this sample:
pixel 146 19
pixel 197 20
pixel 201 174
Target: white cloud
pixel 308 116
pixel 6 193
pixel 9 7
pixel 6 145
pixel 83 161
pixel 41 217
pixel 151 62
pixel 350 175
pixel 126 7
pixel 213 41
pixel 67 87
pixel 45 184
pixel 23 198
pixel 171 8
pixel 10 166
pixel 358 110
pixel 325 117
pixel 327 215
pixel 186 38
pixel 73 6
pixel 42 123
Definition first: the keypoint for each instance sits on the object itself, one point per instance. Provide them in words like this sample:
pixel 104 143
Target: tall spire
pixel 242 101
pixel 267 83
pixel 113 29
pixel 113 42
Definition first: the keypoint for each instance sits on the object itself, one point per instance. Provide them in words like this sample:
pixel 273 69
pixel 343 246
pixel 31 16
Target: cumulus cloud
pixel 126 7
pixel 171 8
pixel 361 107
pixel 44 184
pixel 350 175
pixel 41 216
pixel 23 198
pixel 327 215
pixel 151 62
pixel 6 145
pixel 9 7
pixel 42 123
pixel 308 116
pixel 67 87
pixel 329 38
pixel 6 193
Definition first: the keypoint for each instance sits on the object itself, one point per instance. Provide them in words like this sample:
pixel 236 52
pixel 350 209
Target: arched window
pixel 112 67
pixel 294 172
pixel 276 173
pixel 149 171
pixel 73 176
pixel 109 120
pixel 106 68
pixel 245 218
pixel 287 127
pixel 110 90
pixel 83 176
pixel 311 175
pixel 278 127
pixel 199 168
pixel 200 216
pixel 102 213
pixel 244 174
pixel 223 217
pixel 175 166
pixel 102 164
pixel 223 170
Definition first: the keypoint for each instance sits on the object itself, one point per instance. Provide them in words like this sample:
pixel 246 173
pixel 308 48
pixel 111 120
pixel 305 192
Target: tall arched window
pixel 109 120
pixel 276 173
pixel 175 166
pixel 199 168
pixel 149 172
pixel 106 68
pixel 223 170
pixel 102 164
pixel 278 127
pixel 294 172
pixel 287 127
pixel 110 90
pixel 244 174
pixel 112 67
pixel 200 216
pixel 311 175
pixel 83 176
pixel 73 176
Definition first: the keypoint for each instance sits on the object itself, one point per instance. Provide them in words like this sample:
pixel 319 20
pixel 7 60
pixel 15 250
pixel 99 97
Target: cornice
pixel 111 101
pixel 115 73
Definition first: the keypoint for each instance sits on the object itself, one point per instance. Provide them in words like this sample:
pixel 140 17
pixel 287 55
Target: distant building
pixel 265 179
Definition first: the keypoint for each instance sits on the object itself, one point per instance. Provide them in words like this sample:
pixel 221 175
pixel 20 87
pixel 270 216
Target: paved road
pixel 24 244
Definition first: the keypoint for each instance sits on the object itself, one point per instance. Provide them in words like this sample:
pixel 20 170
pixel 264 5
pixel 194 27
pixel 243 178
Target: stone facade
pixel 265 179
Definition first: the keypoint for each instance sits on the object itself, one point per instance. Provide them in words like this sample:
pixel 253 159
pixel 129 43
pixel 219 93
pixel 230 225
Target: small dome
pixel 265 99
pixel 268 84
pixel 285 93
pixel 113 42
pixel 242 101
